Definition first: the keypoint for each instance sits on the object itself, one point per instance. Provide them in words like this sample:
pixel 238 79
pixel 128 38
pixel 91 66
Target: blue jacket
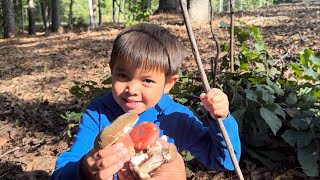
pixel 174 120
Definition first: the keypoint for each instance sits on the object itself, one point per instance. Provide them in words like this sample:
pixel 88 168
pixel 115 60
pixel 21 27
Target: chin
pixel 136 111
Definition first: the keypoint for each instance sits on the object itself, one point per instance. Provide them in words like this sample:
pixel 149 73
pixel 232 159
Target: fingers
pixel 109 156
pixel 104 163
pixel 216 103
pixel 109 171
pixel 126 173
pixel 105 152
pixel 173 170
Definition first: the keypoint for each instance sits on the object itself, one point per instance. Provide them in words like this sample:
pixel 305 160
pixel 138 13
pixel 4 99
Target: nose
pixel 132 88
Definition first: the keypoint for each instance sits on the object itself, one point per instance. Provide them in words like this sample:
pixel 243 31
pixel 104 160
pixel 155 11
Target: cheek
pixel 117 87
pixel 153 96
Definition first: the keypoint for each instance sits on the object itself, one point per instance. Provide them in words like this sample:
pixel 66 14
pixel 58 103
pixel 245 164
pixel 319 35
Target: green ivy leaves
pixel 271 119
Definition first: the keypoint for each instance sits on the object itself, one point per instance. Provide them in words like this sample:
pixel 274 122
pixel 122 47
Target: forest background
pixel 47 77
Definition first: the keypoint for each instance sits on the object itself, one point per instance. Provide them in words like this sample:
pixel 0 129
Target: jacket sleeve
pixel 68 163
pixel 205 143
pixel 221 148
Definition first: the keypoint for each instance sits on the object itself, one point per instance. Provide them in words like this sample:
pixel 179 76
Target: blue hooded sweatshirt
pixel 176 121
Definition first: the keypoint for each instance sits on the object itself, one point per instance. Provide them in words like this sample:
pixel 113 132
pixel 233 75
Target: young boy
pixel 144 64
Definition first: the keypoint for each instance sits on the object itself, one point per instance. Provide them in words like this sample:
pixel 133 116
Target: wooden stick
pixel 194 46
pixel 207 87
pixel 231 37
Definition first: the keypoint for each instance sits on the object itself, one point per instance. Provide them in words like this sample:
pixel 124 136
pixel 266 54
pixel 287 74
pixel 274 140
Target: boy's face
pixel 136 90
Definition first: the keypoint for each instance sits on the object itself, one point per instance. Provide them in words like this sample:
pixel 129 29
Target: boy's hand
pixel 216 103
pixel 173 170
pixel 104 163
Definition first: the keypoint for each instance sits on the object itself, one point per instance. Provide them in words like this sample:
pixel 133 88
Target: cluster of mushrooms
pixel 143 140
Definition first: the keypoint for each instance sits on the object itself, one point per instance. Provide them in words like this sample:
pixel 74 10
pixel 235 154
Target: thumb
pixel 203 96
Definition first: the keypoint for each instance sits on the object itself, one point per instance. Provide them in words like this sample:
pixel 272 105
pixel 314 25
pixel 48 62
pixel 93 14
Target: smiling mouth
pixel 131 104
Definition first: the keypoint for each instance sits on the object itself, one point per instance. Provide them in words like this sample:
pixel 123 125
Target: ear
pixel 170 83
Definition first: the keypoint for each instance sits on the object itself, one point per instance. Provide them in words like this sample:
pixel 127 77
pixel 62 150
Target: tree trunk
pixel 70 22
pixel 94 13
pixel 31 17
pixel 168 6
pixel 144 5
pixel 55 16
pixel 8 19
pixel 100 14
pixel 149 4
pixel 91 14
pixel 113 11
pixel 49 15
pixel 199 10
pixel 221 6
pixel 22 16
pixel 43 14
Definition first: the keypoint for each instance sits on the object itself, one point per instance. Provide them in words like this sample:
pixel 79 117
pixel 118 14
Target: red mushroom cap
pixel 144 135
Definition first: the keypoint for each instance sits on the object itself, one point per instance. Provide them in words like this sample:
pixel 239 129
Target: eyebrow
pixel 120 68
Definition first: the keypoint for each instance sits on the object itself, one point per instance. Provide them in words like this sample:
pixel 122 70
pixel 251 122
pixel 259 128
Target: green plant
pixel 84 92
pixel 136 14
pixel 276 104
pixel 270 107
pixel 73 120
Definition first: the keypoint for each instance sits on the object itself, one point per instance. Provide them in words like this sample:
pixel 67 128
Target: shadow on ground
pixel 13 171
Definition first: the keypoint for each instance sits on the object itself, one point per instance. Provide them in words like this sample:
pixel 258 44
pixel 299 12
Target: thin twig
pixel 288 52
pixel 207 87
pixel 3 175
pixel 301 37
pixel 215 67
pixel 194 46
pixel 10 151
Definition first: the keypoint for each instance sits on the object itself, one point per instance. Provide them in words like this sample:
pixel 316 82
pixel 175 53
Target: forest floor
pixel 37 72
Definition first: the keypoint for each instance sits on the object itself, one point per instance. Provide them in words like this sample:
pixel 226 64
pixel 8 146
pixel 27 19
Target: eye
pixel 149 81
pixel 122 75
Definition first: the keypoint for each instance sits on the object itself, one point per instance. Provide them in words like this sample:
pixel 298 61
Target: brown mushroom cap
pixel 115 130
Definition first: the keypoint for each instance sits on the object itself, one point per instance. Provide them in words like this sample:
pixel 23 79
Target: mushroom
pixel 157 159
pixel 118 130
pixel 145 135
pixel 144 138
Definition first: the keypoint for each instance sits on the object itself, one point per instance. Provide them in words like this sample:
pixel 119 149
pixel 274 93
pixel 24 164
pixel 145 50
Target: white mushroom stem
pixel 157 148
pixel 154 162
pixel 157 158
pixel 137 160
